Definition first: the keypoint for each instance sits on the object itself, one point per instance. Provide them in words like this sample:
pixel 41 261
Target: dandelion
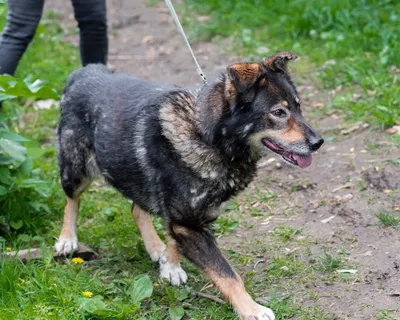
pixel 8 249
pixel 87 294
pixel 77 260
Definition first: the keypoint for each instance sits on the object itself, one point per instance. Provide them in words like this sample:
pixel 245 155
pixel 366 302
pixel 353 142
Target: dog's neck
pixel 191 123
pixel 211 106
pixel 217 126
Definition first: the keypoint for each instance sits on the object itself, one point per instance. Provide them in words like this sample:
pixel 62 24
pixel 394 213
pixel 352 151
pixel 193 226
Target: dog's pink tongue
pixel 303 161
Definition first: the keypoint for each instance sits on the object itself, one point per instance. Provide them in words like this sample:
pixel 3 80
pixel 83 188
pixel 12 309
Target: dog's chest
pixel 210 194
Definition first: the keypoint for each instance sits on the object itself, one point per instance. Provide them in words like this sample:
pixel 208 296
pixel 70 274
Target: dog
pixel 180 154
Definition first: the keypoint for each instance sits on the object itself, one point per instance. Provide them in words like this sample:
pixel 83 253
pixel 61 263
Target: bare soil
pixel 334 201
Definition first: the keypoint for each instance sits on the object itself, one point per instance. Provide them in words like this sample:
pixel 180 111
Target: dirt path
pixel 334 202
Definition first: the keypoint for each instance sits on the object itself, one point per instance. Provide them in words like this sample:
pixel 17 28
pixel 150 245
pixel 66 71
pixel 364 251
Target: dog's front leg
pixel 199 246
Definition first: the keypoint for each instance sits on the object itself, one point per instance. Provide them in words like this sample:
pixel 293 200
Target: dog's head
pixel 264 101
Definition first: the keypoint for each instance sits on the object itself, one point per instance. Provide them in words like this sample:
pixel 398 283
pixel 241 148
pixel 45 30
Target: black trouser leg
pixel 22 20
pixel 92 22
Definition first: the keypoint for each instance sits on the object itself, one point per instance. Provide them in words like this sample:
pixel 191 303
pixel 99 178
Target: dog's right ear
pixel 279 61
pixel 243 76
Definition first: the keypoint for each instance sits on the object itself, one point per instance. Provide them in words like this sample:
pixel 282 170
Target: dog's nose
pixel 316 143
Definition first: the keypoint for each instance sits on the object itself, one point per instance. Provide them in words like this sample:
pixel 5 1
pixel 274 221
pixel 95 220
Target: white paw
pixel 263 313
pixel 65 245
pixel 172 272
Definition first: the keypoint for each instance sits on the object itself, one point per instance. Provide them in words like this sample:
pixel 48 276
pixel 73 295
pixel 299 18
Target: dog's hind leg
pixel 68 239
pixel 154 245
pixel 199 246
pixel 78 167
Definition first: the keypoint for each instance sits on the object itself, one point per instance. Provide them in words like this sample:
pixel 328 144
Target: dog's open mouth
pixel 303 161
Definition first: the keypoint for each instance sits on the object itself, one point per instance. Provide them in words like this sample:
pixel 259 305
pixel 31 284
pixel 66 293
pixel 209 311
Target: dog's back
pixel 95 90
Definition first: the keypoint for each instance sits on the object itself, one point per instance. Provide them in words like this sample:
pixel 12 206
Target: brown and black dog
pixel 180 154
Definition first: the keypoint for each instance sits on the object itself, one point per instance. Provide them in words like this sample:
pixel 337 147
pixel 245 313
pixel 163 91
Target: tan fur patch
pixel 246 71
pixel 180 230
pixel 244 74
pixel 154 245
pixel 70 218
pixel 235 292
pixel 230 91
pixel 172 253
pixel 178 122
pixel 293 132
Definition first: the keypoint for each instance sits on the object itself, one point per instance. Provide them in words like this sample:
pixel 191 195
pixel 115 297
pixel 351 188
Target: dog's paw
pixel 66 245
pixel 262 313
pixel 173 272
pixel 156 253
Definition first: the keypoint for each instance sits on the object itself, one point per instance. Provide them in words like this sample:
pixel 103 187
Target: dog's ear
pixel 279 61
pixel 243 76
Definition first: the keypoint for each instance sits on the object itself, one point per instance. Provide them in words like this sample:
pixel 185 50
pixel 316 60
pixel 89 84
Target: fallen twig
pixel 258 262
pixel 208 296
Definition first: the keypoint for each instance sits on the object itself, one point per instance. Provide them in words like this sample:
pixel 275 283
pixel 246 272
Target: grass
pixel 285 233
pixel 388 219
pixel 350 45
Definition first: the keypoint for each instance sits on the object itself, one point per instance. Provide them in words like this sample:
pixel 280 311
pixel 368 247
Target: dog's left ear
pixel 279 61
pixel 243 76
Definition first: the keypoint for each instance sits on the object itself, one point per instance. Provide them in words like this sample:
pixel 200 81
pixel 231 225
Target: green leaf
pixel 95 306
pixel 183 294
pixel 25 238
pixel 6 160
pixel 39 186
pixel 27 166
pixel 170 293
pixel 3 191
pixel 4 175
pixel 176 313
pixel 4 117
pixel 25 88
pixel 13 149
pixel 39 207
pixel 11 136
pixel 142 288
pixel 34 149
pixel 32 183
pixel 4 96
pixel 16 224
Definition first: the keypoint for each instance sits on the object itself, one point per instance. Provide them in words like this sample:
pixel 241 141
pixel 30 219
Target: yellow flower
pixel 8 249
pixel 87 294
pixel 77 260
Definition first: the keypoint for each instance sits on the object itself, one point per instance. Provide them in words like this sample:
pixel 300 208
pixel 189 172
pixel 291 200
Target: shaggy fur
pixel 179 153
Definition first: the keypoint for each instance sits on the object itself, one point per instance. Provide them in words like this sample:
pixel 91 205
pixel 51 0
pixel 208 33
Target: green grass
pixel 353 44
pixel 388 219
pixel 285 233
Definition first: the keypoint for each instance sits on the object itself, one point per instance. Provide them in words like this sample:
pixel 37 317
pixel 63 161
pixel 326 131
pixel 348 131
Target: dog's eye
pixel 279 113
